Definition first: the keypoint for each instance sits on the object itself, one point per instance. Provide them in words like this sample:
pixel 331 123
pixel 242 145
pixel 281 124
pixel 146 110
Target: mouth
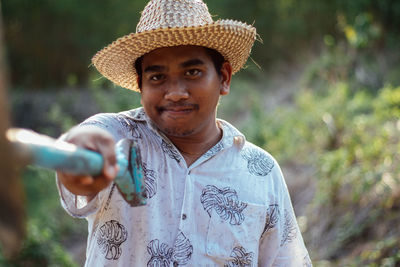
pixel 178 109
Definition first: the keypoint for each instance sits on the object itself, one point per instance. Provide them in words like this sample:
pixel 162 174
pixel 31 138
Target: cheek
pixel 146 103
pixel 149 97
pixel 209 102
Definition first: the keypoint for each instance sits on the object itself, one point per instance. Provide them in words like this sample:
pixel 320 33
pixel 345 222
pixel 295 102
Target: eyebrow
pixel 192 62
pixel 186 64
pixel 154 68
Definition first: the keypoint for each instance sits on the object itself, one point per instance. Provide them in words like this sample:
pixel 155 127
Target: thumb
pixel 111 171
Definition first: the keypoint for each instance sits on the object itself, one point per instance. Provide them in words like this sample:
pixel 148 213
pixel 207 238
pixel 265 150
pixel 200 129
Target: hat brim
pixel 233 39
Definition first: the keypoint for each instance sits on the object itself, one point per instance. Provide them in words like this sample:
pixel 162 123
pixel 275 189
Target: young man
pixel 214 199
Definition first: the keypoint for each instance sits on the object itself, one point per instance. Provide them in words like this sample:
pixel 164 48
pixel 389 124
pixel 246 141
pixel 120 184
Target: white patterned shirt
pixel 231 207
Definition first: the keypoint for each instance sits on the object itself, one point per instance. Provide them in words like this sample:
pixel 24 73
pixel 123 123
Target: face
pixel 181 88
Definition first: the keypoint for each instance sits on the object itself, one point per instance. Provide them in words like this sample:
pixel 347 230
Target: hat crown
pixel 160 14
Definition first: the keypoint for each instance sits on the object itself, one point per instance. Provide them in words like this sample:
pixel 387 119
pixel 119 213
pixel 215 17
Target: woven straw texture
pixel 166 23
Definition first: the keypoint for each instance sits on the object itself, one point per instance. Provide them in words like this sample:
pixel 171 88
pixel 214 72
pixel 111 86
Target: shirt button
pixel 184 216
pixel 176 263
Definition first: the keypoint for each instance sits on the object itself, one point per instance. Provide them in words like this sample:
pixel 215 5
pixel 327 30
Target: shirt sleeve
pixel 78 206
pixel 282 243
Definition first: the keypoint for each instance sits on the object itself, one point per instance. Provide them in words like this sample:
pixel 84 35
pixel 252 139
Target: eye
pixel 193 72
pixel 156 77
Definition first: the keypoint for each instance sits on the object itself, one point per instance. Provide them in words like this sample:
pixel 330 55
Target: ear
pixel 138 81
pixel 226 75
pixel 140 90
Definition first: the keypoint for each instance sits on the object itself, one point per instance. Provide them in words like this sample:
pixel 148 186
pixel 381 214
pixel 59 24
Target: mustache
pixel 178 105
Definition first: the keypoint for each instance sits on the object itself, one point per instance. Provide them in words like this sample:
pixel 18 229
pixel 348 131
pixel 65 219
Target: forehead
pixel 175 54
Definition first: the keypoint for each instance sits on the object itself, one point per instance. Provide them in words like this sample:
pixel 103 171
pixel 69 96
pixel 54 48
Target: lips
pixel 178 109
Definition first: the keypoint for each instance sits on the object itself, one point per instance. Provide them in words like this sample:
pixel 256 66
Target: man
pixel 214 199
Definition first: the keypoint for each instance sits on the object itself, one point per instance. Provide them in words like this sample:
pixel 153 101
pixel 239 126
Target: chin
pixel 177 132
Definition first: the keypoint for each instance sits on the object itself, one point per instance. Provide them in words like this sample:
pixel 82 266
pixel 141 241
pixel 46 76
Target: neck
pixel 193 146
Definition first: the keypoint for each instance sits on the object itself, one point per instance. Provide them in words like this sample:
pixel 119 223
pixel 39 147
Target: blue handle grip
pixel 43 151
pixel 77 161
pixel 81 161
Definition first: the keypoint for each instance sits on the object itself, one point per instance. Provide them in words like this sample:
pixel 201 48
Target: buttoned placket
pixel 185 212
pixel 185 215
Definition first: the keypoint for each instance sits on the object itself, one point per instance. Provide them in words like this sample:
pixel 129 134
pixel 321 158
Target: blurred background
pixel 321 93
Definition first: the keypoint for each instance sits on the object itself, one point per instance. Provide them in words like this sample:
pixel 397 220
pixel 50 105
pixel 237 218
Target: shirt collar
pixel 231 136
pixel 140 115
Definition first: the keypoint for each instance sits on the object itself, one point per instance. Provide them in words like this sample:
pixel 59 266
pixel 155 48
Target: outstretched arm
pixel 95 139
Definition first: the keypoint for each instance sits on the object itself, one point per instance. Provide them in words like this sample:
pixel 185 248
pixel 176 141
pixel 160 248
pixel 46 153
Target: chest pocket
pixel 233 235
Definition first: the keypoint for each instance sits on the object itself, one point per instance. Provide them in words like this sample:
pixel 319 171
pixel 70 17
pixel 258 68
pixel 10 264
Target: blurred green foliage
pixel 48 226
pixel 50 43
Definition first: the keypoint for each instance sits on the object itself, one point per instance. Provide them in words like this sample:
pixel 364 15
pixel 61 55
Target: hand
pixel 95 139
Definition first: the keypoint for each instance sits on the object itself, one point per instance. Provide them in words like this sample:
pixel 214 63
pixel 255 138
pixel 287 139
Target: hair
pixel 215 56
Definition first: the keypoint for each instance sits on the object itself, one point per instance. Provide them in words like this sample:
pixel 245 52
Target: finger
pixel 83 185
pixel 75 180
pixel 86 180
pixel 107 150
pixel 98 140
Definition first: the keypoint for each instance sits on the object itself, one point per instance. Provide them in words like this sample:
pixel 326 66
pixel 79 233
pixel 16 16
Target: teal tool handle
pixel 40 150
pixel 44 151
pixel 76 161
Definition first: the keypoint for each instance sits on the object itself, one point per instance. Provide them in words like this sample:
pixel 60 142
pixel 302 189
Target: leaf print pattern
pixel 170 151
pixel 182 251
pixel 240 258
pixel 129 125
pixel 258 162
pixel 140 115
pixel 162 255
pixel 289 230
pixel 214 150
pixel 150 181
pixel 225 202
pixel 110 237
pixel 272 218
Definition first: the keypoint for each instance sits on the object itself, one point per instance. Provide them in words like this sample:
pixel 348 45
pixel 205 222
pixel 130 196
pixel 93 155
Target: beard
pixel 176 131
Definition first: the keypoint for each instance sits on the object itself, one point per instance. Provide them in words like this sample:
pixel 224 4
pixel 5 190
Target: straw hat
pixel 166 23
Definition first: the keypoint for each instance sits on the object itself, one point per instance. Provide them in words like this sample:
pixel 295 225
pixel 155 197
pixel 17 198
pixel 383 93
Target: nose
pixel 176 91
